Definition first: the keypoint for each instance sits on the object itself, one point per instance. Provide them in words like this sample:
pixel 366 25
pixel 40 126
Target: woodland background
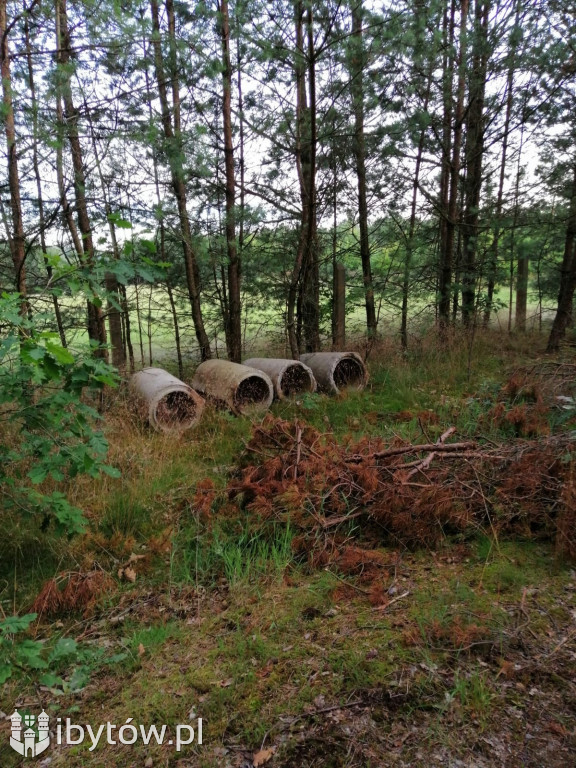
pixel 202 169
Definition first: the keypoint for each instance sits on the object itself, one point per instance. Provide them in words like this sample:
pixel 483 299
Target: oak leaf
pixel 262 757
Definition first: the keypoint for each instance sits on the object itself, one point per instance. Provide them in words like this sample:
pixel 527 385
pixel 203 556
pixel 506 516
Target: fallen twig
pixel 391 602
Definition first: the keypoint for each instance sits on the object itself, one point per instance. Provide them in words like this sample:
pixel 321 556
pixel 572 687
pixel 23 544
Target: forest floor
pixel 326 619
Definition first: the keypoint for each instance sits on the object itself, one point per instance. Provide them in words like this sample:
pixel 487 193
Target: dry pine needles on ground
pixel 403 494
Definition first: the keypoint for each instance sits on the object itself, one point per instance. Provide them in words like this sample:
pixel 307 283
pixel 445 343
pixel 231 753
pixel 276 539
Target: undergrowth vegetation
pixel 348 581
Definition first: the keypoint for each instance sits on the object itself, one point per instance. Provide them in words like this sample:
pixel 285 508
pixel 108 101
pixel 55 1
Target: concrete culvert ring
pixel 336 371
pixel 289 377
pixel 168 404
pixel 176 410
pixel 251 391
pixel 295 380
pixel 240 387
pixel 349 373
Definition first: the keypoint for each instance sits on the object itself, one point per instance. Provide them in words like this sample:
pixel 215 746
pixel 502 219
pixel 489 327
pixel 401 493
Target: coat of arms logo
pixel 24 739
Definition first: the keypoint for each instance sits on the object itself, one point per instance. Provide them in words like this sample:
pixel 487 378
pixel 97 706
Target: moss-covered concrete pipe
pixel 289 377
pixel 242 389
pixel 335 371
pixel 167 403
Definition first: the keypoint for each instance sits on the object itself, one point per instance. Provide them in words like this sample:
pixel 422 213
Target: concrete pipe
pixel 289 377
pixel 243 389
pixel 169 404
pixel 335 371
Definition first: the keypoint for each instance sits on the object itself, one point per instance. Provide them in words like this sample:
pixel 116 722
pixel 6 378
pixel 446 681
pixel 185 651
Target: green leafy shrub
pixel 64 666
pixel 47 429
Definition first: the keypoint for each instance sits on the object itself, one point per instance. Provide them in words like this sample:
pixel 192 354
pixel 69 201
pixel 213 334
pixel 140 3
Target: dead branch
pixel 434 447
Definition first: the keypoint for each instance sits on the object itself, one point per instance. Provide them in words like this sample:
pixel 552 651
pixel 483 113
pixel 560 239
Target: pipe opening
pixel 349 374
pixel 175 408
pixel 252 391
pixel 296 379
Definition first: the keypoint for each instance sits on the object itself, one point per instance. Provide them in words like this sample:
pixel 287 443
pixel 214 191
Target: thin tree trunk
pixel 176 328
pixel 494 248
pixel 452 217
pixel 411 231
pixel 162 227
pixel 513 229
pixel 96 327
pixel 241 159
pixel 521 288
pixel 311 273
pixel 139 322
pixel 113 310
pixel 67 213
pixel 302 163
pixel 335 277
pixel 149 325
pixel 567 277
pixel 357 89
pixel 17 245
pixel 445 254
pixel 127 326
pixel 474 156
pixel 36 166
pixel 233 326
pixel 173 139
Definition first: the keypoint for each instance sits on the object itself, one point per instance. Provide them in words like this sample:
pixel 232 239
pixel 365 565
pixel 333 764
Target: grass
pixel 223 622
pixel 242 558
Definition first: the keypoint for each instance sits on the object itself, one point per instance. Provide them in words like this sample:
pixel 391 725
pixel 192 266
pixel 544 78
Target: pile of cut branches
pixel 402 494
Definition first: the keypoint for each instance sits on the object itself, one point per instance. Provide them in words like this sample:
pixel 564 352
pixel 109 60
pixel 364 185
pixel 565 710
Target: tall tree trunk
pixel 358 62
pixel 521 288
pixel 474 156
pixel 513 228
pixel 114 304
pixel 173 138
pixel 233 326
pixel 64 55
pixel 305 155
pixel 567 277
pixel 445 253
pixel 241 159
pixel 336 335
pixel 16 234
pixel 454 186
pixel 495 245
pixel 176 324
pixel 36 167
pixel 67 213
pixel 411 231
pixel 311 273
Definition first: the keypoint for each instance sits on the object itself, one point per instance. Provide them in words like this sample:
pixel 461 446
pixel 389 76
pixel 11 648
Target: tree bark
pixel 357 64
pixel 96 327
pixel 114 303
pixel 233 326
pixel 454 180
pixel 521 288
pixel 310 306
pixel 305 155
pixel 173 137
pixel 567 277
pixel 36 167
pixel 474 156
pixel 16 235
pixel 445 253
pixel 495 245
pixel 339 307
pixel 412 230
